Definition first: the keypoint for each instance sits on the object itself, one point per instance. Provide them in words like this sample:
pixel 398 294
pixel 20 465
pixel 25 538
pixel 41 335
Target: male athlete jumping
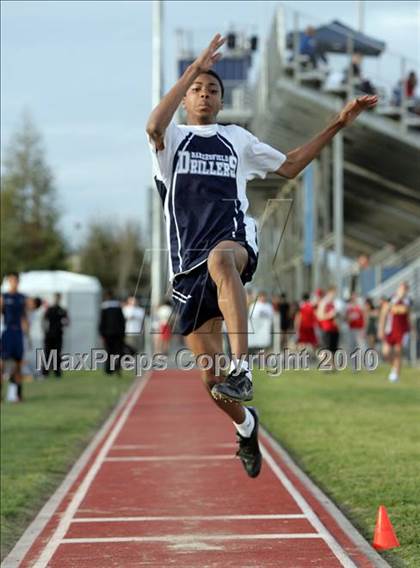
pixel 201 170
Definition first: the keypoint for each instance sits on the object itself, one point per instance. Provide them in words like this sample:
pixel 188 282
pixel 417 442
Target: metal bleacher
pixel 380 173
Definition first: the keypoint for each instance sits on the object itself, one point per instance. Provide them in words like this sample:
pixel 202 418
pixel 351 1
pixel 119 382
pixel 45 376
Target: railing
pixel 410 274
pixel 333 79
pixel 382 262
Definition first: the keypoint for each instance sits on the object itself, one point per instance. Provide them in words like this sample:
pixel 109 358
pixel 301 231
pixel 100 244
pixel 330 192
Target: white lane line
pixel 198 537
pixel 135 447
pixel 341 555
pixel 169 458
pixel 81 491
pixel 156 446
pixel 186 518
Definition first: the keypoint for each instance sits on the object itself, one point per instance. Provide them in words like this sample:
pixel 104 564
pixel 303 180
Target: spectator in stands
pixel 355 319
pixel 361 84
pixel 55 320
pixel 305 322
pixel 327 316
pixel 394 327
pixel 308 46
pixel 112 331
pixel 410 92
pixel 134 319
pixel 411 85
pixel 371 316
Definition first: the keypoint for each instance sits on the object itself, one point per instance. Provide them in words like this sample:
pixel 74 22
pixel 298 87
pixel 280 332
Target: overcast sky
pixel 83 69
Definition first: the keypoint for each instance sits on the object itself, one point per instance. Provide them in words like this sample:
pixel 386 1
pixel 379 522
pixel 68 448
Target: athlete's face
pixel 13 283
pixel 203 100
pixel 402 289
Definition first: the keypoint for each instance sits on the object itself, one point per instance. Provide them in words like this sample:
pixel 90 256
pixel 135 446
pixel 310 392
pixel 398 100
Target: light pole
pixel 338 210
pixel 361 15
pixel 157 229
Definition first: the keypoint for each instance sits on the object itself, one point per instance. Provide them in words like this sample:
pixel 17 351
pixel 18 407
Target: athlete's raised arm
pixel 162 115
pixel 299 158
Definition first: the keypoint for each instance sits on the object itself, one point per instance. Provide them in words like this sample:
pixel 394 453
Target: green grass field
pixel 42 438
pixel 358 438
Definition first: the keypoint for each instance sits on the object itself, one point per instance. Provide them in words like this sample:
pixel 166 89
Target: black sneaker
pixel 249 450
pixel 236 387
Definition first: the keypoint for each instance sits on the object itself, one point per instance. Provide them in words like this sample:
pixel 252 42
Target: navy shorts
pixel 195 295
pixel 12 344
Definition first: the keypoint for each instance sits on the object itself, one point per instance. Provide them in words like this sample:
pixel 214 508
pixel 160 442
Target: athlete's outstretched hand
pixel 353 108
pixel 210 55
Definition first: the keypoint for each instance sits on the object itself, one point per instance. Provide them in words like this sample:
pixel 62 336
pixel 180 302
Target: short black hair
pixel 370 303
pixel 216 76
pixel 15 274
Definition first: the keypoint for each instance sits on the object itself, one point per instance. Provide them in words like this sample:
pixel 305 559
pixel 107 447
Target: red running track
pixel 160 486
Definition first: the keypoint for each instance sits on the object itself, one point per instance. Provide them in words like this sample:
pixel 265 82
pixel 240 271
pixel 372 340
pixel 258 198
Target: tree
pixel 30 235
pixel 115 256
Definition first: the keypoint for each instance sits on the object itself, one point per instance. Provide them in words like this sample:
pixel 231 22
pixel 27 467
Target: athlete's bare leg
pixel 396 358
pixel 16 374
pixel 226 262
pixel 387 351
pixel 208 339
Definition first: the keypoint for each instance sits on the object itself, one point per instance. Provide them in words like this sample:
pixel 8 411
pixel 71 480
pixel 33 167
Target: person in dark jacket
pixel 112 331
pixel 55 320
pixel 285 320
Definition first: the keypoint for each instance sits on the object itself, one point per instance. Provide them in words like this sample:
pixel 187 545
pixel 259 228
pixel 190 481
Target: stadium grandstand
pixel 353 217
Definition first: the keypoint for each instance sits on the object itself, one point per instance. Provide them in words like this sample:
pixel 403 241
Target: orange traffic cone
pixel 385 536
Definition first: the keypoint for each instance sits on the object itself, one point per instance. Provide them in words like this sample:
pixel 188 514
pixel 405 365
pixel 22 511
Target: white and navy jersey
pixel 201 177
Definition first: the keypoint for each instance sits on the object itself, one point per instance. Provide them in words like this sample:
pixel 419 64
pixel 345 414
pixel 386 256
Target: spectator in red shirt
pixel 411 84
pixel 305 322
pixel 327 318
